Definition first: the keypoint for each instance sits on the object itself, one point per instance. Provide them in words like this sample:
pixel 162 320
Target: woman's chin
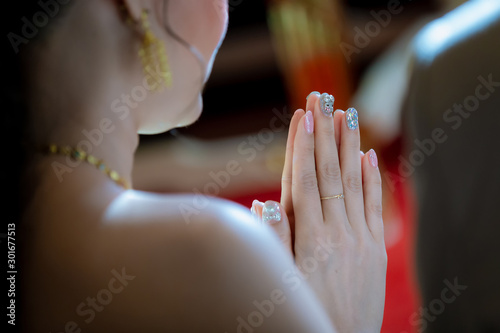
pixel 161 126
pixel 191 116
pixel 152 130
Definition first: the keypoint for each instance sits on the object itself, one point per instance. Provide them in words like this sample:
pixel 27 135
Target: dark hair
pixel 27 22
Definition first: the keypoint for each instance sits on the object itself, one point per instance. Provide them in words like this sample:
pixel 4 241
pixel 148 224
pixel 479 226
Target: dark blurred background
pixel 246 81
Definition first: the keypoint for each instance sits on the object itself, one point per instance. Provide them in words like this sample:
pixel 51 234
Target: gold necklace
pixel 81 155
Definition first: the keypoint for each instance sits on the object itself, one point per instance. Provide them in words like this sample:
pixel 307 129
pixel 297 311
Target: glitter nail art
pixel 271 213
pixel 326 103
pixel 352 118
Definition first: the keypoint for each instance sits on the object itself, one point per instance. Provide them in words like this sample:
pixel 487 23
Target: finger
pixel 286 179
pixel 256 210
pixel 305 194
pixel 275 216
pixel 327 161
pixel 311 100
pixel 337 121
pixel 351 169
pixel 372 188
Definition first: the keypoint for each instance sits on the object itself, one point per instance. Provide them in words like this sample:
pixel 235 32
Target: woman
pixel 100 256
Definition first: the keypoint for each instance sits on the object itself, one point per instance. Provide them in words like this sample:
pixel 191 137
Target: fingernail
pixel 309 122
pixel 256 203
pixel 271 213
pixel 313 93
pixel 361 152
pixel 326 103
pixel 352 118
pixel 372 156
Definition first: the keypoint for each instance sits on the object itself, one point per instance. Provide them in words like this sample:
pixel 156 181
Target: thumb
pixel 256 210
pixel 275 216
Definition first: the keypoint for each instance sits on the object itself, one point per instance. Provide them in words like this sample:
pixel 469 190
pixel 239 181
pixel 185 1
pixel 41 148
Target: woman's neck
pixel 72 90
pixel 107 146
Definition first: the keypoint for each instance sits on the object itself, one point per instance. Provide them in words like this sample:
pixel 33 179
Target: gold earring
pixel 153 54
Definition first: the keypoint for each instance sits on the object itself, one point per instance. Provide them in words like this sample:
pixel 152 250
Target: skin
pixel 186 274
pixel 355 271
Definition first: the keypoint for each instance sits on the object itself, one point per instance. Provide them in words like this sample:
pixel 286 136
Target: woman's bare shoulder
pixel 182 212
pixel 190 257
pixel 177 228
pixel 173 263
